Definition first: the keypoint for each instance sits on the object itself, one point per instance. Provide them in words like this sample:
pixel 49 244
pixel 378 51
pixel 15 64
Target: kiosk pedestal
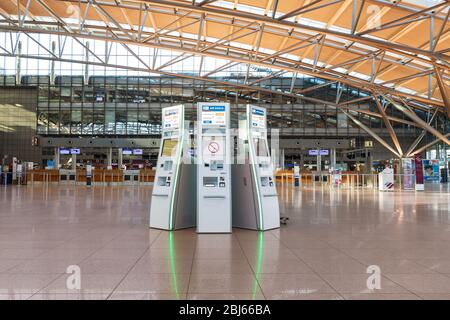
pixel 175 180
pixel 255 198
pixel 214 170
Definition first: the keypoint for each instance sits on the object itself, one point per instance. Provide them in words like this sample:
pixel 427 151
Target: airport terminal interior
pixel 224 149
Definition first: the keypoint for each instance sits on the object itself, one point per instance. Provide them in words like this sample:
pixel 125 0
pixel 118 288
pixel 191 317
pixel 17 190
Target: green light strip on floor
pixel 259 257
pixel 172 265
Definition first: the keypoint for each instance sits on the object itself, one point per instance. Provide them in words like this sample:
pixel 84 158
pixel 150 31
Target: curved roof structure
pixel 395 49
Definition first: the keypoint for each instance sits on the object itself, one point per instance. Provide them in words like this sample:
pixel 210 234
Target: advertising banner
pixel 408 174
pixel 386 180
pixel 419 172
pixel 431 170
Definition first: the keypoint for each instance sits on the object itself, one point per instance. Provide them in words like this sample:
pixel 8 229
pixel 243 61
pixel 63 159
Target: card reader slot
pixel 271 195
pixel 214 197
pixel 159 195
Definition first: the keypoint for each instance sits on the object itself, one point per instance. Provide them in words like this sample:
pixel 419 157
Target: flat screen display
pixel 64 151
pixel 169 147
pixel 258 118
pixel 74 151
pixel 127 151
pixel 213 115
pixel 137 152
pixel 315 152
pixel 261 147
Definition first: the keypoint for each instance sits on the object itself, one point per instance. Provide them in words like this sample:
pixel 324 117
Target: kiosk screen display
pixel 169 147
pixel 261 147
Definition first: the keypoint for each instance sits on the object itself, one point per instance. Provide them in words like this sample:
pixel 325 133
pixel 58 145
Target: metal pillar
pixel 74 161
pixel 109 158
pixel 333 158
pixel 86 66
pixel 56 158
pixel 319 161
pixel 119 158
pixel 52 64
pixel 369 161
pixel 18 62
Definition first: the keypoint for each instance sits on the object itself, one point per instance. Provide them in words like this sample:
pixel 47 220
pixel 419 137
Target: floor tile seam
pixel 131 268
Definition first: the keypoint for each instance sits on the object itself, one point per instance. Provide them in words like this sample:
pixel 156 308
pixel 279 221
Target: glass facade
pixel 131 105
pixel 18 122
pixel 82 97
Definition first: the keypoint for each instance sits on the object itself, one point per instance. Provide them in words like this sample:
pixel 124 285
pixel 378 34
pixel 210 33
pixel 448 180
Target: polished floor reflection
pixel 322 253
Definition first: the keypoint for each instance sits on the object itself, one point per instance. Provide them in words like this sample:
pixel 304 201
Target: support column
pixel 282 159
pixel 56 160
pixel 119 158
pixel 74 162
pixel 302 159
pixel 52 64
pixel 109 158
pixel 86 66
pixel 333 158
pixel 369 161
pixel 18 62
pixel 319 161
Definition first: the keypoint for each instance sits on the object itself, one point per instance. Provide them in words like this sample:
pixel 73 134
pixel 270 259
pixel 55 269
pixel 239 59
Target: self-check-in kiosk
pixel 214 169
pixel 172 205
pixel 255 198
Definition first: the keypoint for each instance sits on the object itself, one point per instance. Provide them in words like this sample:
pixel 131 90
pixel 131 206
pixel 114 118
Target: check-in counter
pixel 81 176
pixel 67 176
pixel 99 176
pixel 113 177
pixel 43 176
pixel 130 177
pixel 147 176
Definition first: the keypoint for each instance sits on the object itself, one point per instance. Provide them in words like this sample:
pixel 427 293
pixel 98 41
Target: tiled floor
pixel 323 253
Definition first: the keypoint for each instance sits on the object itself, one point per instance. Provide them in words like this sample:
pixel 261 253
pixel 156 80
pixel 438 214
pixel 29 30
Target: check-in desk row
pixel 99 176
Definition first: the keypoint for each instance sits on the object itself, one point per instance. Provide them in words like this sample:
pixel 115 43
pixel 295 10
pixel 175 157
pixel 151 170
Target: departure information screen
pixel 169 147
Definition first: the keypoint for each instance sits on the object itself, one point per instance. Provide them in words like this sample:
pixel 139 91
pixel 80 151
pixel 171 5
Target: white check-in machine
pixel 255 198
pixel 172 206
pixel 214 169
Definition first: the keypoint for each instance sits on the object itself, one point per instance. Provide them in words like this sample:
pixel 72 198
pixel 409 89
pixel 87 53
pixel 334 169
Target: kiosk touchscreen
pixel 255 198
pixel 175 179
pixel 214 171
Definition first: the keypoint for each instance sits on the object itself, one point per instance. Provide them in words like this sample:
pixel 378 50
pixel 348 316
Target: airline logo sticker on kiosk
pixel 258 118
pixel 171 119
pixel 213 115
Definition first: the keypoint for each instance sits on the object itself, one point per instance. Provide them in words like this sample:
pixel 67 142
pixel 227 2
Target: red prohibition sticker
pixel 213 147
